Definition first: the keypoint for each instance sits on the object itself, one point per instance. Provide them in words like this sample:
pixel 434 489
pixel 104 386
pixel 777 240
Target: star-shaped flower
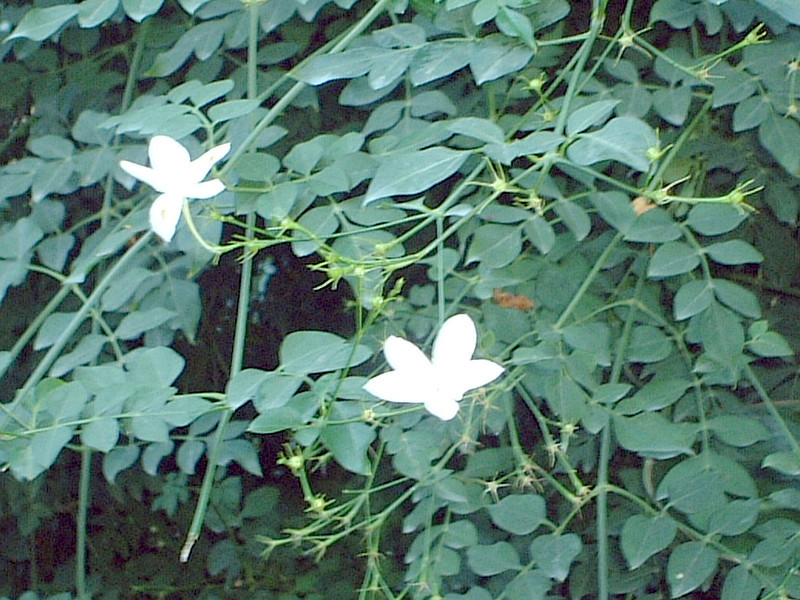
pixel 438 383
pixel 177 177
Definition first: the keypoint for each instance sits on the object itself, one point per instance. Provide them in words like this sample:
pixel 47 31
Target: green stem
pixel 240 335
pixel 588 280
pixel 77 319
pixel 84 494
pixel 604 460
pixel 770 405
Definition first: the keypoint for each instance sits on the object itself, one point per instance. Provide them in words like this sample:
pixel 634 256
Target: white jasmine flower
pixel 438 383
pixel 177 177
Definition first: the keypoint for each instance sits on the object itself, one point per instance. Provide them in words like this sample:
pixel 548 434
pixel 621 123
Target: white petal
pixel 168 156
pixel 395 386
pixel 155 180
pixel 442 407
pixel 165 214
pixel 201 166
pixel 455 343
pixel 204 189
pixel 402 355
pixel 478 373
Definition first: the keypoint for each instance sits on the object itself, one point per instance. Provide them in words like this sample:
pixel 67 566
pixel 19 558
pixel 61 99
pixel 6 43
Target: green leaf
pixel 722 335
pixel 529 586
pixel 51 146
pixel 738 430
pixel 588 116
pixel 642 537
pixel 648 344
pixel 767 343
pixel 690 564
pixel 655 227
pixel 304 352
pixel 343 65
pixel 672 104
pixel 475 593
pixel 225 111
pixel 480 129
pixel 708 219
pixel 565 397
pixel 413 172
pixel 92 13
pixel 692 298
pixel 574 217
pixel 349 442
pixel 297 412
pixel 782 138
pixel 460 534
pixel 136 323
pixel 740 584
pixel 87 350
pixel 652 435
pixel 38 24
pixel 537 142
pixel 139 10
pixel 40 452
pixel 734 252
pixel 101 434
pixel 494 245
pixel 553 554
pixel 153 455
pixel 119 459
pixel 276 391
pixel 181 411
pixel 158 366
pixel 615 208
pixel 700 482
pixel 593 338
pixel 207 93
pixel 787 463
pixel 492 57
pixel 52 328
pixel 734 518
pixel 750 113
pixel 243 452
pixel 788 9
pixel 486 561
pixel 540 233
pixel 736 297
pixel 623 139
pixel 672 258
pixel 147 407
pixel 519 514
pixel 438 59
pixel 244 386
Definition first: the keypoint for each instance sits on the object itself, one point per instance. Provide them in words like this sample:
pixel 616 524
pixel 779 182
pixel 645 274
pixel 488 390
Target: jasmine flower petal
pixel 177 177
pixel 439 384
pixel 402 355
pixel 165 213
pixel 444 408
pixel 168 155
pixel 397 386
pixel 455 342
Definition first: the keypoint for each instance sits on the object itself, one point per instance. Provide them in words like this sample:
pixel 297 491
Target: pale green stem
pixel 588 280
pixel 240 335
pixel 604 460
pixel 77 319
pixel 773 411
pixel 84 495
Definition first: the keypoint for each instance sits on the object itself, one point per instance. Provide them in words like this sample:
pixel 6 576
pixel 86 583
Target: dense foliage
pixel 609 189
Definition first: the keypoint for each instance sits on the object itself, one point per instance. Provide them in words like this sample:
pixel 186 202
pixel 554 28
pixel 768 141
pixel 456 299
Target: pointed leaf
pixel 413 172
